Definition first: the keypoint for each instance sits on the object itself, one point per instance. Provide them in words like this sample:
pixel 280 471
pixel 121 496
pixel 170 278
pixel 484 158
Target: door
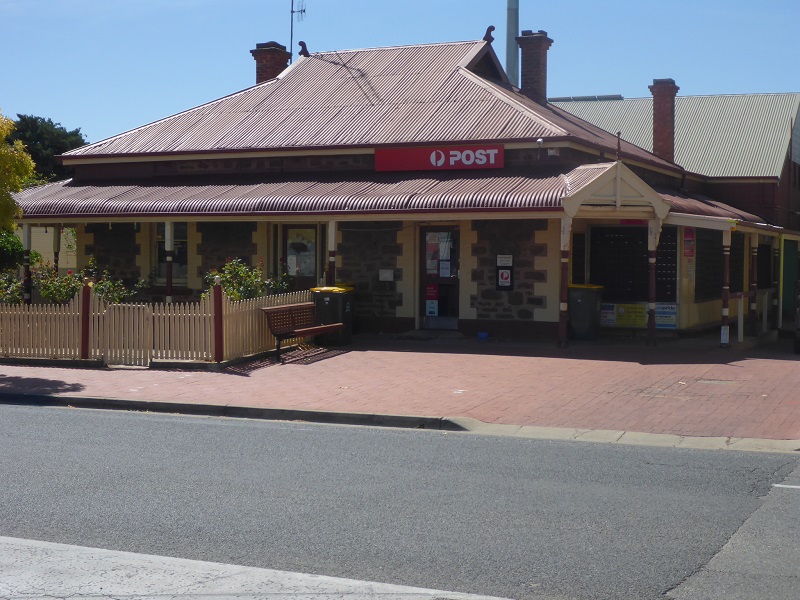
pixel 439 278
pixel 301 255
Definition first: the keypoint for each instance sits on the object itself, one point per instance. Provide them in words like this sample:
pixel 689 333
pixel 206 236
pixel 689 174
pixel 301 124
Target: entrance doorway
pixel 439 278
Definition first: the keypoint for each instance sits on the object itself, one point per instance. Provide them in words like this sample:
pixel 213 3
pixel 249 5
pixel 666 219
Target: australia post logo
pixel 439 159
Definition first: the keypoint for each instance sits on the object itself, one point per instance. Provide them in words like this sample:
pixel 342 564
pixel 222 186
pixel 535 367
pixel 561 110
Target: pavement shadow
pixel 691 350
pixel 39 386
pixel 305 354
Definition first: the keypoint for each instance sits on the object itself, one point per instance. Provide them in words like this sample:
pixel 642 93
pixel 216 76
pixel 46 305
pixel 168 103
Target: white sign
pixel 505 260
pixel 431 308
pixel 463 157
pixel 444 268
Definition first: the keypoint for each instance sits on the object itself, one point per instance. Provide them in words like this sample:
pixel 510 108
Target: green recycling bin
pixel 334 304
pixel 584 311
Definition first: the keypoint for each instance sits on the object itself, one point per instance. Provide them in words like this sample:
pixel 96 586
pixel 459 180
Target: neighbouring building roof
pixel 423 94
pixel 378 193
pixel 745 135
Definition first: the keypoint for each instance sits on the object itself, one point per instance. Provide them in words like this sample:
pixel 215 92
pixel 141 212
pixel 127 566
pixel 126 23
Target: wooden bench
pixel 295 321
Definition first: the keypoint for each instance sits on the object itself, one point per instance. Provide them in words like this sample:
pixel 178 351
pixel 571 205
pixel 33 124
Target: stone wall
pixel 222 240
pixel 366 248
pixel 114 248
pixel 517 238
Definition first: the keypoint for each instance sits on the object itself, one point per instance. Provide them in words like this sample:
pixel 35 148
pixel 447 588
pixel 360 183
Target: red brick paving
pixel 684 387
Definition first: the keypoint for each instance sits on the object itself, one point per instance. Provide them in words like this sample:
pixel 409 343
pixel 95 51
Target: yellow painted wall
pixel 193 258
pixel 467 263
pixel 550 288
pixel 261 242
pixel 406 262
pixel 42 242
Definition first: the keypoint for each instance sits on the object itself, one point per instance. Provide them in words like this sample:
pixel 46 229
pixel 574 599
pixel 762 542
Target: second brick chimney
pixel 533 65
pixel 664 92
pixel 271 59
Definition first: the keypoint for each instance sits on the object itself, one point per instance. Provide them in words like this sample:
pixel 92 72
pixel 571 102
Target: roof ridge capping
pixel 398 47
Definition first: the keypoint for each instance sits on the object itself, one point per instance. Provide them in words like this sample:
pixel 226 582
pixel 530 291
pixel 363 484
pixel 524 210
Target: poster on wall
pixel 688 242
pixel 431 308
pixel 504 278
pixel 666 316
pixel 634 316
pixel 631 315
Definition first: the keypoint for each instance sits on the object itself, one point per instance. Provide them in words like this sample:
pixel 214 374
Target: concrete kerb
pixel 632 438
pixel 234 411
pixel 453 424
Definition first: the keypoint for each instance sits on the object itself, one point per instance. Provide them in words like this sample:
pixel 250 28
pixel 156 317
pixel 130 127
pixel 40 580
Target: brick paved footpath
pixel 687 387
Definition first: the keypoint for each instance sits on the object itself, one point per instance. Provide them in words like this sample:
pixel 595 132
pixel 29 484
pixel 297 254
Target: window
pixel 618 260
pixel 300 243
pixel 180 263
pixel 711 262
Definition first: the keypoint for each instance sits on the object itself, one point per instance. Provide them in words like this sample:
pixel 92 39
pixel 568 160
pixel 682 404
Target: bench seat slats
pixel 296 320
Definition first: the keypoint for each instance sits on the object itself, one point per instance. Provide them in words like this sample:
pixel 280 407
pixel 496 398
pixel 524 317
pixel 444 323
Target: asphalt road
pixel 505 517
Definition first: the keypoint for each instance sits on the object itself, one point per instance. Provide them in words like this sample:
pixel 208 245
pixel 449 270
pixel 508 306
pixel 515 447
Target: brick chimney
pixel 271 59
pixel 533 67
pixel 664 92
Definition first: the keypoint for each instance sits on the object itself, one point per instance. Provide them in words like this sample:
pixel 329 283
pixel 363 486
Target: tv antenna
pixel 300 12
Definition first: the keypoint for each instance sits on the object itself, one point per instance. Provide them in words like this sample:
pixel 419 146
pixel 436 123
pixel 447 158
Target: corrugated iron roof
pixel 391 192
pixel 378 193
pixel 378 96
pixel 744 135
pixel 698 204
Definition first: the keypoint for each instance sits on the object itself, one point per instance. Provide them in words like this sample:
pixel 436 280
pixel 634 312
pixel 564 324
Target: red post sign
pixel 443 158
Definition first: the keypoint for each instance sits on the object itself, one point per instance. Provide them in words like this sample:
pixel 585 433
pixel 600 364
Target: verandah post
pixel 725 338
pixel 169 250
pixel 86 302
pixel 219 346
pixel 777 306
pixel 56 246
pixel 330 275
pixel 653 236
pixel 27 282
pixel 753 312
pixel 563 305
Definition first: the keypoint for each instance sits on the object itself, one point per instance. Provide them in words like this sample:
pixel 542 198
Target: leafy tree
pixel 11 252
pixel 16 167
pixel 44 141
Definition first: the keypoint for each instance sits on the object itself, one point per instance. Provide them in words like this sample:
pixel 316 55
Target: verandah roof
pixel 340 196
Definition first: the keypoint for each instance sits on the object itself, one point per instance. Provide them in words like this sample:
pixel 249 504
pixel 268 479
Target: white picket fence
pixel 41 330
pixel 136 334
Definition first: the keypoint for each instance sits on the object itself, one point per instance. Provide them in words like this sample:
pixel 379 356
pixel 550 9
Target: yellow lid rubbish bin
pixel 334 304
pixel 583 306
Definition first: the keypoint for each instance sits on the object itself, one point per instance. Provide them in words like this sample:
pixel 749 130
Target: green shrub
pixel 10 288
pixel 53 287
pixel 240 282
pixel 60 289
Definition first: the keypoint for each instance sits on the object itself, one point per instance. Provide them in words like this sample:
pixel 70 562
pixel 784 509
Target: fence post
pixel 86 296
pixel 219 346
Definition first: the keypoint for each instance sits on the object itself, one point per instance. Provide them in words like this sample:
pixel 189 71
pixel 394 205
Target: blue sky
pixel 107 66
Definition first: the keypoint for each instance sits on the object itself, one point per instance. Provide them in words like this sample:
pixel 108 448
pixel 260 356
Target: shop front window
pixel 301 256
